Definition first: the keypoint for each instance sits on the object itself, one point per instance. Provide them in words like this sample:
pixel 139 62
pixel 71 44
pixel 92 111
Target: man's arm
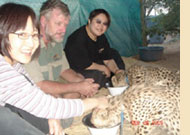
pixel 85 87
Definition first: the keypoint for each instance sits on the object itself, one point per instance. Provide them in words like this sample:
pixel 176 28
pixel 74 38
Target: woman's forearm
pixel 111 65
pixel 96 66
pixel 72 76
pixel 102 68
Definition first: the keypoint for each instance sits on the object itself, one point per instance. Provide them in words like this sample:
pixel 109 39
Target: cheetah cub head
pixel 119 79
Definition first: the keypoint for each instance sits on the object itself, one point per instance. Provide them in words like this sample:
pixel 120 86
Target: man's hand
pixel 55 127
pixel 88 88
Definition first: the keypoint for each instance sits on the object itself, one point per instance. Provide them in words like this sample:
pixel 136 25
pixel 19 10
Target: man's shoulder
pixel 42 44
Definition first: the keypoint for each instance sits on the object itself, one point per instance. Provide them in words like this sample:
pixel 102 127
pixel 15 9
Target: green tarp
pixel 124 33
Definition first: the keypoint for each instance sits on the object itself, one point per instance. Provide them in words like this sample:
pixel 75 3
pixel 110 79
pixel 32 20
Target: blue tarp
pixel 124 33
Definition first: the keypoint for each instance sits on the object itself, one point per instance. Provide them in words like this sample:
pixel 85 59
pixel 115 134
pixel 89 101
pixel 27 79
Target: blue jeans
pixel 19 118
pixel 12 124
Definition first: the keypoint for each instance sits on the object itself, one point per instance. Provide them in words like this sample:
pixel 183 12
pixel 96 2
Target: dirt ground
pixel 171 57
pixel 170 60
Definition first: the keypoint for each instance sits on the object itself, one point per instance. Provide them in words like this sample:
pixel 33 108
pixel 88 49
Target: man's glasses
pixel 25 36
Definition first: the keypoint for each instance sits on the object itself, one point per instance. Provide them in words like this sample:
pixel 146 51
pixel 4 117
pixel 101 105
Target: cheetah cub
pixel 146 107
pixel 153 76
pixel 119 79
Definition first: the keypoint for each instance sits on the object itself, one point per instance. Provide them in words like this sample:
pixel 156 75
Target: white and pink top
pixel 17 89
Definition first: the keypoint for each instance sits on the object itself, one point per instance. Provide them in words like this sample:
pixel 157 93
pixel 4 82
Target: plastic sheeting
pixel 124 33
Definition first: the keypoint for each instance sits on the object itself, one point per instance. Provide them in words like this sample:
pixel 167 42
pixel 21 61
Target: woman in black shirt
pixel 88 51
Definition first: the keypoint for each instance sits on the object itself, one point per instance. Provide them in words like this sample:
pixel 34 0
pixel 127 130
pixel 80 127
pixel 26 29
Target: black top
pixel 81 50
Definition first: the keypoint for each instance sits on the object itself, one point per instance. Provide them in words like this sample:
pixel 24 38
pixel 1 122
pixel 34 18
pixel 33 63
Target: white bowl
pixel 117 90
pixel 99 131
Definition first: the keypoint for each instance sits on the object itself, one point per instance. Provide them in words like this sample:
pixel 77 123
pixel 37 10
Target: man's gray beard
pixel 50 37
pixel 51 40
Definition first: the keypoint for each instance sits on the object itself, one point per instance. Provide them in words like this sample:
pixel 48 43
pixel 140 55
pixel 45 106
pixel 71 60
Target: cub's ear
pixel 114 81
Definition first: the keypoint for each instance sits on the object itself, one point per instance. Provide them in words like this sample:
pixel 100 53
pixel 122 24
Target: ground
pixel 170 60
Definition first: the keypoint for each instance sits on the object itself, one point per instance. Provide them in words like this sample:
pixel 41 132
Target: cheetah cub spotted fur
pixel 150 106
pixel 153 76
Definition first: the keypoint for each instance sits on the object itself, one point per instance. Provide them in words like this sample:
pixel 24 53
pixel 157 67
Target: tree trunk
pixel 143 24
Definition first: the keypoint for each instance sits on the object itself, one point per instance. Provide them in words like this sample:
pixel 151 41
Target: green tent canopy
pixel 124 33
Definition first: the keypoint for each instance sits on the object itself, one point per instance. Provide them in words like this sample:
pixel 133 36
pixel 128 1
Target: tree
pixel 165 23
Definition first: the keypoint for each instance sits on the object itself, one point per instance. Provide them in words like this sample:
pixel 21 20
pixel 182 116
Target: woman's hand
pixel 106 71
pixel 91 103
pixel 102 102
pixel 119 71
pixel 55 127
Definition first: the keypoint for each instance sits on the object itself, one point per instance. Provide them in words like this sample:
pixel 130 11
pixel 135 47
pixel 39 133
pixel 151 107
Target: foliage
pixel 168 23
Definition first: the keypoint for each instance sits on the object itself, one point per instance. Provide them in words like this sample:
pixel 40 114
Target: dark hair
pixel 49 5
pixel 13 17
pixel 96 12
